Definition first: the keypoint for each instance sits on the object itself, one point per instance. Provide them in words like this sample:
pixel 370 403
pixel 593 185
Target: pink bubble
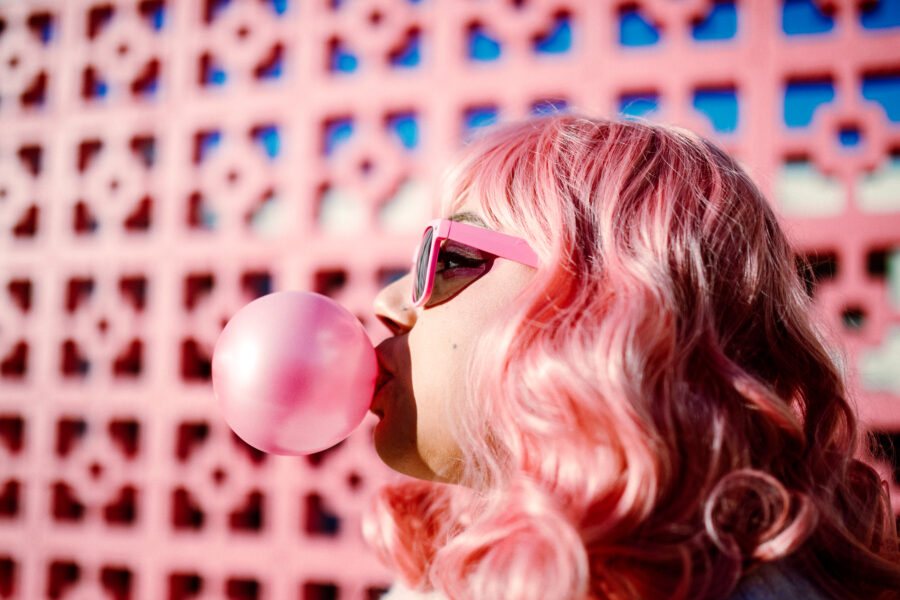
pixel 294 373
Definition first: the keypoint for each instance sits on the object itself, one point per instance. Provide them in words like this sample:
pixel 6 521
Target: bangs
pixel 508 176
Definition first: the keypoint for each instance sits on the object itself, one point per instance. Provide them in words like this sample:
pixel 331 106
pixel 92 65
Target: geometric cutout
pixel 802 190
pixel 256 456
pixel 893 277
pixel 30 155
pixel 20 293
pixel 125 434
pixel 122 510
pixel 481 46
pixel 212 8
pixel 147 81
pixel 128 362
pixel 184 586
pixel 78 292
pixel 374 593
pixel 849 136
pixel 196 365
pixel 478 116
pixel 27 224
pixel 335 133
pixel 197 286
pixel 191 435
pixel 93 85
pixel 879 191
pixel 340 59
pixel 267 218
pixel 319 520
pixel 87 152
pixel 720 105
pixel 548 106
pixel 66 505
pixel 12 433
pixel 186 512
pixel 317 458
pixel 204 143
pixel 256 283
pixel 144 149
pixel 15 363
pixel 280 7
pixel 878 370
pixel 816 267
pixel 557 40
pixel 41 26
pixel 853 317
pixel 133 289
pixel 98 19
pixel 60 577
pixel 329 282
pixel 242 589
pixel 638 105
pixel 320 591
pixel 340 213
pixel 404 127
pixel 406 209
pixel 139 217
pixel 876 262
pixel 803 97
pixel 272 65
pixel 267 137
pixel 199 214
pixel 69 433
pixel 210 72
pixel 407 54
pixel 7 577
pixel 884 88
pixel 9 499
pixel 83 219
pixel 799 17
pixel 249 516
pixel 880 14
pixel 36 93
pixel 634 30
pixel 117 582
pixel 354 480
pixel 720 24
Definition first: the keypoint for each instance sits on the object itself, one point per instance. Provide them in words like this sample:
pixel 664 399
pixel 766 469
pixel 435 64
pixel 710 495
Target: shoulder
pixel 772 581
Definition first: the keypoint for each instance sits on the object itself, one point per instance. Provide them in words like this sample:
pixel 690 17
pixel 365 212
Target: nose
pixel 393 306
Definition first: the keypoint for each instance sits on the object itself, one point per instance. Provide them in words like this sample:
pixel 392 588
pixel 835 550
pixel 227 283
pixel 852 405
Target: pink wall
pixel 162 163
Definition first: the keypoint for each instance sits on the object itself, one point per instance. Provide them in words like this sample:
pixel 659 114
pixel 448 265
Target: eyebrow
pixel 468 217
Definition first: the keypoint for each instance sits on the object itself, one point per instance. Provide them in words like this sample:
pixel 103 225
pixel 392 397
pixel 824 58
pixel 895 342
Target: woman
pixel 608 356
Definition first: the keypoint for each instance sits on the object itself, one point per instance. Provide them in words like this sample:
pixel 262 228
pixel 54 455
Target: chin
pixel 401 454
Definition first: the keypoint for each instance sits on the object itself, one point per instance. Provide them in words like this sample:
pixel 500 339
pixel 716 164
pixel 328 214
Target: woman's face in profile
pixel 423 365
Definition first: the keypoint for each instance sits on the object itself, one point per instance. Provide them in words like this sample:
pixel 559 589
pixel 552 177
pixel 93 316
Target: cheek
pixel 438 360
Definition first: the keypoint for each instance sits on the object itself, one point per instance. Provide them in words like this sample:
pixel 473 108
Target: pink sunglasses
pixel 452 255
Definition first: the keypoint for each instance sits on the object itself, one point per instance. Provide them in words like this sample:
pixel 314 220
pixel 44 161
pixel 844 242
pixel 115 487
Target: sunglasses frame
pixel 501 245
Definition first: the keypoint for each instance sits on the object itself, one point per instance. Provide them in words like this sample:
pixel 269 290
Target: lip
pixel 384 376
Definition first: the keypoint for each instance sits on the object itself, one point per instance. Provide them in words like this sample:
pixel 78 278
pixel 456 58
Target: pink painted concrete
pixel 139 209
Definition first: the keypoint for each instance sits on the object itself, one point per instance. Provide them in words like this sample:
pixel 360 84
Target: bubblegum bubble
pixel 294 372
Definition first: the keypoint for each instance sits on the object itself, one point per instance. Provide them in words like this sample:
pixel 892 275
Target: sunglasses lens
pixel 458 266
pixel 422 265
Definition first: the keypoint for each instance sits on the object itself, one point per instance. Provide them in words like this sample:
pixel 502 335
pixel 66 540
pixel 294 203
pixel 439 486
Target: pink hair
pixel 657 416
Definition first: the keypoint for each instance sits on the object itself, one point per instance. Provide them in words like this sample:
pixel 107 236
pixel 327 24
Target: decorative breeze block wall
pixel 164 162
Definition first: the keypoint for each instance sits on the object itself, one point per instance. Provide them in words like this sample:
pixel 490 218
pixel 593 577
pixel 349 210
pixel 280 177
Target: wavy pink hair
pixel 657 415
